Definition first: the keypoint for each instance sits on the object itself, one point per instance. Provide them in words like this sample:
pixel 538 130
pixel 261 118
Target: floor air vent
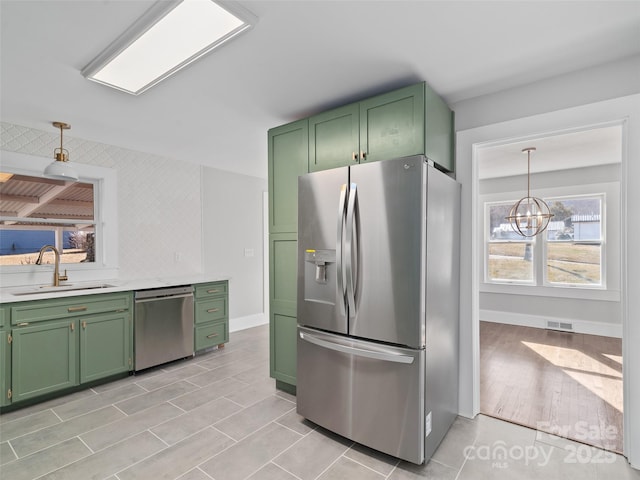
pixel 564 326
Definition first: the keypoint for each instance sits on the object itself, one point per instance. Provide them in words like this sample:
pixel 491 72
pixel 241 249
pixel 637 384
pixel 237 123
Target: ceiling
pixel 301 58
pixel 563 151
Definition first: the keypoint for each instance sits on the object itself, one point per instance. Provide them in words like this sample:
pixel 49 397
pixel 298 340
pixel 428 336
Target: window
pixel 509 255
pixel 574 242
pixel 570 253
pixel 79 217
pixel 36 211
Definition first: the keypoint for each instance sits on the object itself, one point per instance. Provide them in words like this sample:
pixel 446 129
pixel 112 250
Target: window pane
pixel 575 219
pixel 38 211
pixel 499 228
pixel 510 261
pixel 572 263
pixel 20 244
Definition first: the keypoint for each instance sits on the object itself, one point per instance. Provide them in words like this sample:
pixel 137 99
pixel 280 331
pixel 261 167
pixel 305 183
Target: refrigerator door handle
pixel 351 250
pixel 340 287
pixel 386 356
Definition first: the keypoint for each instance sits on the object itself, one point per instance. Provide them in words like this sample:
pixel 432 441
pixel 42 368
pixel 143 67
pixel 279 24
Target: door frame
pixel 625 109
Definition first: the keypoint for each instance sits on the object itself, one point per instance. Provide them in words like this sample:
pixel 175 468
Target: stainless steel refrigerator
pixel 378 275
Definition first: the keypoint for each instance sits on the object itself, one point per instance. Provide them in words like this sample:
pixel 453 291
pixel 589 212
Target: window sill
pixel 558 292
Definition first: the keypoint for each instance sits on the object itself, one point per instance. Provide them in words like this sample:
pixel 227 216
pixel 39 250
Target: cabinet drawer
pixel 211 310
pixel 2 317
pixel 207 290
pixel 210 335
pixel 54 309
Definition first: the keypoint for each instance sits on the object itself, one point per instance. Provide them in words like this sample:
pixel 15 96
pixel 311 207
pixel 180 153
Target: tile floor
pixel 218 416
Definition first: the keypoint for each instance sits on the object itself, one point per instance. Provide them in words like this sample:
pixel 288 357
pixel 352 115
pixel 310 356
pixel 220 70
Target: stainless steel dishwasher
pixel 163 325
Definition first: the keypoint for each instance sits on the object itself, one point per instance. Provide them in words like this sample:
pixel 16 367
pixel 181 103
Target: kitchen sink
pixel 61 288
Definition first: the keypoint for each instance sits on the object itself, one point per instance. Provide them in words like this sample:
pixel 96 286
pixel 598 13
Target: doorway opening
pixel 550 306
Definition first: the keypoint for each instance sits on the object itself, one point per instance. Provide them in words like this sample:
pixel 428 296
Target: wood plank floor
pixel 568 384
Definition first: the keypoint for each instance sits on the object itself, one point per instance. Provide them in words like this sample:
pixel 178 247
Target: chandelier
pixel 530 215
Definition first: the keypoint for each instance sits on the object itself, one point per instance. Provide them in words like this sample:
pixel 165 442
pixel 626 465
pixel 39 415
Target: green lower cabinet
pixel 211 315
pixel 283 348
pixel 44 359
pixel 104 346
pixel 210 335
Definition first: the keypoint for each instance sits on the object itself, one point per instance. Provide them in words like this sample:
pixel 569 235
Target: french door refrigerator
pixel 377 304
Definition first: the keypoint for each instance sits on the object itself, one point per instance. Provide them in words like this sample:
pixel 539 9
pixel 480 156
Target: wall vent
pixel 564 326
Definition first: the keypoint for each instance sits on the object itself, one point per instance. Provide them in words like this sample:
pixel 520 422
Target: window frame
pixel 611 246
pixel 104 182
pixel 63 224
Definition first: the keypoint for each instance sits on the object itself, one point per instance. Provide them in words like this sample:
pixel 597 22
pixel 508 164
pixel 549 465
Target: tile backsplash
pixel 159 201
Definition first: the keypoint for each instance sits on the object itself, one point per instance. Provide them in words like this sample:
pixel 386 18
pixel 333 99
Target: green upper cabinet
pixel 439 128
pixel 288 158
pixel 392 124
pixel 408 121
pixel 334 138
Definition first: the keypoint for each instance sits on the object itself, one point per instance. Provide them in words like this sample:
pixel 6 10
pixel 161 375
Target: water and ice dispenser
pixel 320 276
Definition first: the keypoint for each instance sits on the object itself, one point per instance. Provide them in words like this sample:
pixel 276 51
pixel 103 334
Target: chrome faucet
pixel 57 278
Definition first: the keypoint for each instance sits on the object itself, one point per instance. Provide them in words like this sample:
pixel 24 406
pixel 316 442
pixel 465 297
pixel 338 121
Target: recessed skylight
pixel 167 38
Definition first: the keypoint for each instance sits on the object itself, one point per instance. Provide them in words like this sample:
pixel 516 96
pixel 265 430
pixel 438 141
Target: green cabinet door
pixel 283 293
pixel 392 124
pixel 43 359
pixel 283 272
pixel 333 138
pixel 288 158
pixel 104 345
pixel 283 348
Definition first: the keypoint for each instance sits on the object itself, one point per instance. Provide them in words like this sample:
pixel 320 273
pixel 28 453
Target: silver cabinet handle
pixel 340 288
pixel 212 335
pixel 211 310
pixel 215 290
pixel 360 352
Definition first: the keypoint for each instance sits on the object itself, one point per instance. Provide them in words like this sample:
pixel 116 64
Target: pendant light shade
pixel 530 215
pixel 60 169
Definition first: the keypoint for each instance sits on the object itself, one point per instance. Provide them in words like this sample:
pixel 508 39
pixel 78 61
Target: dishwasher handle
pixel 168 297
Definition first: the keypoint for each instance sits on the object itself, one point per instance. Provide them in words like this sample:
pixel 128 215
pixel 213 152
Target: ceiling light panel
pixel 167 38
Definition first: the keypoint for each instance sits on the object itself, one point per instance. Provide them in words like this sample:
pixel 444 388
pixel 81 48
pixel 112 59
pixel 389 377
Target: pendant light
pixel 530 215
pixel 60 169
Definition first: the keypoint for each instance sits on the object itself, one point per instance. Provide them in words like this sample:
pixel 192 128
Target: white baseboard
pixel 579 326
pixel 242 323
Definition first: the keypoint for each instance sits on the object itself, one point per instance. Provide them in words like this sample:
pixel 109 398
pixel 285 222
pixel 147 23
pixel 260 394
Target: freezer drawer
pixel 367 392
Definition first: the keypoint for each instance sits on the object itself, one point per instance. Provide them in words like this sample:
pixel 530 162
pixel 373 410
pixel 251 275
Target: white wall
pixel 233 223
pixel 611 80
pixel 560 103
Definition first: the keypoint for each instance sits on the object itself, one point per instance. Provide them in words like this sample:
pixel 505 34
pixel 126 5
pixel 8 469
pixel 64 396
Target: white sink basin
pixel 62 288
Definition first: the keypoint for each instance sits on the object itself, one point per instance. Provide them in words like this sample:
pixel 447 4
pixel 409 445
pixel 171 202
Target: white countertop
pixel 26 293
